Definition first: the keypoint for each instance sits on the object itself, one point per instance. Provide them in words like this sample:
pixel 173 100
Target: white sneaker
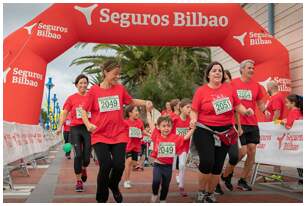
pixel 163 201
pixel 177 179
pixel 127 184
pixel 154 198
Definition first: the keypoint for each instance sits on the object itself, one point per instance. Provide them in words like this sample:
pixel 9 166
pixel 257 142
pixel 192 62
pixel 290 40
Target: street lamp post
pixel 49 86
pixel 54 99
pixel 58 111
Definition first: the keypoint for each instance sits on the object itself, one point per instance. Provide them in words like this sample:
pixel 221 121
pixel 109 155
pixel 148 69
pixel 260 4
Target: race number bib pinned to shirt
pixel 244 94
pixel 222 105
pixel 135 132
pixel 166 149
pixel 110 103
pixel 181 131
pixel 79 113
pixel 146 139
pixel 68 121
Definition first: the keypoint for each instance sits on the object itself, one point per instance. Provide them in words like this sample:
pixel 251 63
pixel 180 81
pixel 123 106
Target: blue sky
pixel 15 15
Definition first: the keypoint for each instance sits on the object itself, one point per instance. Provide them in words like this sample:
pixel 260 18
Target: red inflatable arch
pixel 28 50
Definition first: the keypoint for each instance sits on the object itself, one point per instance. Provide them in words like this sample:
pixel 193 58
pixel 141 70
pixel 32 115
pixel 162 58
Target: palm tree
pixel 165 71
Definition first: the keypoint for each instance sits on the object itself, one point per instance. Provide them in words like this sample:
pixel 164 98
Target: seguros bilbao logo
pixel 22 77
pixel 253 38
pixel 46 30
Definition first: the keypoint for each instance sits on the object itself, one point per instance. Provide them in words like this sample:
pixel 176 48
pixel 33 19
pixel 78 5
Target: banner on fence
pixel 21 140
pixel 279 146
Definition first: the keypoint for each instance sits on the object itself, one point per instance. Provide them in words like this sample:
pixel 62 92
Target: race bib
pixel 110 103
pixel 68 121
pixel 222 105
pixel 135 132
pixel 79 113
pixel 244 94
pixel 166 149
pixel 181 131
pixel 146 139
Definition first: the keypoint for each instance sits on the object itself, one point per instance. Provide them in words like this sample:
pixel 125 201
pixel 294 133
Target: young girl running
pixel 294 103
pixel 166 145
pixel 136 130
pixel 80 137
pixel 181 128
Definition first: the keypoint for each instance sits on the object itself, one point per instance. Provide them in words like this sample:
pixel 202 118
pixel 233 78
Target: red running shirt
pixel 73 105
pixel 249 93
pixel 106 107
pixel 215 107
pixel 276 102
pixel 294 114
pixel 135 128
pixel 164 149
pixel 165 112
pixel 180 128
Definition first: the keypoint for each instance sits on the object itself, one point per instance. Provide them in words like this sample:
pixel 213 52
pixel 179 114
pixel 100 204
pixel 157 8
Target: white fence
pixel 20 141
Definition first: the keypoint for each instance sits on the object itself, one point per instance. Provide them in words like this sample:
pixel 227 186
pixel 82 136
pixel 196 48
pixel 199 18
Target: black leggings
pixel 211 157
pixel 233 154
pixel 161 173
pixel 67 137
pixel 111 158
pixel 81 142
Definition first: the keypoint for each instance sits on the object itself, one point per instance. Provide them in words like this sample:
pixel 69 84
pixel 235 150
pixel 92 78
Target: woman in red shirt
pixel 213 106
pixel 80 137
pixel 109 132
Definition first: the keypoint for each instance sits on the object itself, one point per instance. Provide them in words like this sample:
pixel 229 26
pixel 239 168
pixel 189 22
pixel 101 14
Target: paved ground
pixel 56 184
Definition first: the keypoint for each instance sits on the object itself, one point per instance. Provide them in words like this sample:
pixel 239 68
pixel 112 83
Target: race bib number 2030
pixel 110 103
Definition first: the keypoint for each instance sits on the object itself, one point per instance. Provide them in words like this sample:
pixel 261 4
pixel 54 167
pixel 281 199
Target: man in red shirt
pixel 250 93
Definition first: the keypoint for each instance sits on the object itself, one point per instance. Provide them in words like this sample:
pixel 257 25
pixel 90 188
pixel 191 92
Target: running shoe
pixel 127 184
pixel 228 181
pixel 199 197
pixel 210 198
pixel 79 186
pixel 243 185
pixel 218 190
pixel 154 198
pixel 177 179
pixel 182 192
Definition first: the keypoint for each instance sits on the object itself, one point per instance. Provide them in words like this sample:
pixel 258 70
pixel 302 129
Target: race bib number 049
pixel 135 132
pixel 222 105
pixel 166 149
pixel 110 103
pixel 244 94
pixel 181 131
